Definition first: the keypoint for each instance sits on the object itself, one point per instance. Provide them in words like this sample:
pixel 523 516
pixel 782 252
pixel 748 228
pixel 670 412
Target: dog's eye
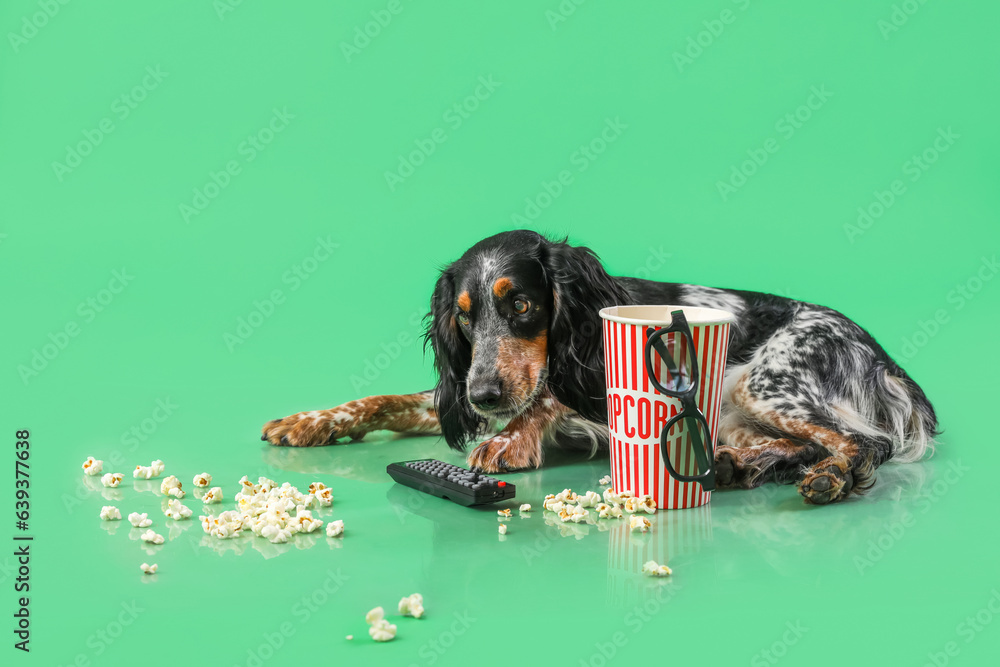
pixel 521 306
pixel 463 319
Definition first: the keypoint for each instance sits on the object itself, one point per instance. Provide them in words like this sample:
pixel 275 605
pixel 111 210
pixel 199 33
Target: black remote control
pixel 450 482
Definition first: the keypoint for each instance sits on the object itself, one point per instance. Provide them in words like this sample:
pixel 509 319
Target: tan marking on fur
pixel 520 362
pixel 502 286
pixel 519 445
pixel 465 302
pixel 797 428
pixel 401 413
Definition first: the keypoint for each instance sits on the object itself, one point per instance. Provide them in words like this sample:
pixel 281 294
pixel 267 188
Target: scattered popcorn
pixel 212 496
pixel 574 513
pixel 654 569
pixel 604 481
pixel 154 469
pixel 324 497
pixel 110 513
pixel 412 606
pixel 350 637
pixel 111 480
pixel 566 496
pixel 226 525
pixel 93 466
pixel 149 569
pixel 590 499
pixel 643 503
pixel 176 510
pixel 276 535
pixel 151 537
pixel 376 614
pixel 274 512
pixel 555 506
pixel 640 523
pixel 647 504
pixel 171 486
pixel 305 522
pixel 381 630
pixel 611 498
pixel 139 520
pixel 504 512
pixel 609 511
pixel 503 529
pixel 202 479
pixel 524 508
pixel 316 487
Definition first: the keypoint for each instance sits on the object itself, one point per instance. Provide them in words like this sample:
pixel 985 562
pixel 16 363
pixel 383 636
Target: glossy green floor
pixel 213 218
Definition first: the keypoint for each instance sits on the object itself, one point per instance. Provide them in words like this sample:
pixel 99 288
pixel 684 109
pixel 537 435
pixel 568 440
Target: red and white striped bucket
pixel 637 411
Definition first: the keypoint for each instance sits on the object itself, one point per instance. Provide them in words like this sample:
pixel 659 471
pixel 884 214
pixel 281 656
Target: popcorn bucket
pixel 652 431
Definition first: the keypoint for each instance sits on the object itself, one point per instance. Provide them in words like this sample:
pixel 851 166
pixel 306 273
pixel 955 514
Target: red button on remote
pixel 501 483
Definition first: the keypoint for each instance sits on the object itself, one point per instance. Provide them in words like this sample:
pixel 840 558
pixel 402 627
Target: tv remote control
pixel 450 482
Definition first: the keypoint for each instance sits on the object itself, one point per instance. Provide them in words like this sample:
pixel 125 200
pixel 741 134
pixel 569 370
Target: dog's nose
pixel 485 396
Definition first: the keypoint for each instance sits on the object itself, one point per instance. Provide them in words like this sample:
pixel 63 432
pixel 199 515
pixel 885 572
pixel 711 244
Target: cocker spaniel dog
pixel 809 396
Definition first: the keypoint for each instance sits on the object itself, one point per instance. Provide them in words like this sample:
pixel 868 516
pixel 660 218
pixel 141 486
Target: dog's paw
pixel 828 481
pixel 503 452
pixel 307 429
pixel 726 468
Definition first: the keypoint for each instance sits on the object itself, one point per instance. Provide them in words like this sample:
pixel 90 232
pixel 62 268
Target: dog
pixel 809 397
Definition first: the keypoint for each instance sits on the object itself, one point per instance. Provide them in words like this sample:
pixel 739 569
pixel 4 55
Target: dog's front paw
pixel 306 429
pixel 503 452
pixel 828 481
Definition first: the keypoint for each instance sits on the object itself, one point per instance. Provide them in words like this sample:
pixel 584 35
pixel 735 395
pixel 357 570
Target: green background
pixel 895 574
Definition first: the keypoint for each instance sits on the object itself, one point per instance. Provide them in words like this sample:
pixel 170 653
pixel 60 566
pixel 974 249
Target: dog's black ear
pixel 452 359
pixel 581 287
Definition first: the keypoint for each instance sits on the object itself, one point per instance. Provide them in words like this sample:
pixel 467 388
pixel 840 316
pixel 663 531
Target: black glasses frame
pixel 689 408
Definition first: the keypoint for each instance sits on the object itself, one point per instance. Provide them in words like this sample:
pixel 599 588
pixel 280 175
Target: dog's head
pixel 514 313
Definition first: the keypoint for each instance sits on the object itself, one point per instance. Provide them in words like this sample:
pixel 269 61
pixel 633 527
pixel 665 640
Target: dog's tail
pixel 891 408
pixel 904 413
